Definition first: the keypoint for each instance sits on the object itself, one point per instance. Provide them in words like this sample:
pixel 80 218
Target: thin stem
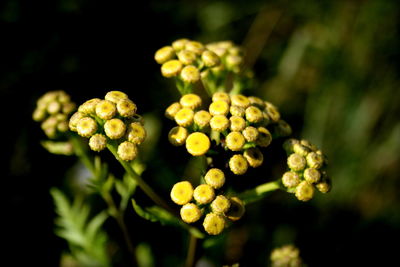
pixel 82 153
pixel 258 192
pixel 190 258
pixel 141 183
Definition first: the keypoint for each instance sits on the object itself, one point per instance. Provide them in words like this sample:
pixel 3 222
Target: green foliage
pixel 86 240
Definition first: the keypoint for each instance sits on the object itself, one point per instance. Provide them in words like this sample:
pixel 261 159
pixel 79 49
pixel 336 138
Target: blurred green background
pixel 332 67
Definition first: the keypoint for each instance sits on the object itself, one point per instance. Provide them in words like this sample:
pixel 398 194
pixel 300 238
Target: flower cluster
pixel 286 256
pixel 53 110
pixel 239 124
pixel 306 169
pixel 112 120
pixel 207 199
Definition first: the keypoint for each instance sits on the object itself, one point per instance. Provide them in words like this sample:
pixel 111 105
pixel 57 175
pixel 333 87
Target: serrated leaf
pixel 121 189
pixel 142 213
pixel 94 225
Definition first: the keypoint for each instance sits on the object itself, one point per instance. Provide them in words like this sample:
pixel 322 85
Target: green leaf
pixel 144 255
pixel 95 224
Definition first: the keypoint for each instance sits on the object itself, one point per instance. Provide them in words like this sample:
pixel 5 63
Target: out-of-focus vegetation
pixel 331 66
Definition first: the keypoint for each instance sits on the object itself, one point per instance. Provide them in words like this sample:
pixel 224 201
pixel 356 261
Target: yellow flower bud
pixel 177 135
pixel 68 108
pixel 304 191
pixel 314 160
pixel 182 193
pixel 127 151
pixel 190 213
pixel 187 57
pixel 190 74
pixel 254 114
pixel 202 118
pixel 220 205
pixel 210 59
pixel 290 179
pixel 236 210
pixel 237 123
pixel 53 107
pixel 233 61
pixel 106 109
pixel 301 149
pixel 179 44
pixel 288 145
pixel 237 111
pixel 136 133
pixel 221 96
pixel 194 46
pixel 73 121
pixel 312 175
pixel 219 107
pixel 171 68
pixel 324 186
pixel 89 107
pixel 296 162
pixel 215 178
pixel 254 157
pixel 235 141
pixel 214 224
pixel 97 142
pixel 238 164
pixel 126 108
pixel 164 54
pixel 203 194
pixel 62 126
pixel 272 112
pixel 191 101
pixel 197 144
pixel 39 114
pixel 219 123
pixel 308 144
pixel 240 100
pixel 86 127
pixel 184 117
pixel 115 96
pixel 171 111
pixel 114 128
pixel 264 137
pixel 255 101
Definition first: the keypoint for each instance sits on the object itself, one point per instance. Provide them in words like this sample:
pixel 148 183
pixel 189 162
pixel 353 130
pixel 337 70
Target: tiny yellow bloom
pixel 171 68
pixel 254 157
pixel 171 111
pixel 237 123
pixel 127 151
pixel 190 74
pixel 288 145
pixel 219 107
pixel 179 44
pixel 308 144
pixel 290 179
pixel 89 107
pixel 255 101
pixel 301 149
pixel 221 96
pixel 296 162
pixel 272 111
pixel 240 100
pixel 220 205
pixel 324 186
pixel 203 194
pixel 187 57
pixel 254 114
pixel 115 96
pixel 106 109
pixel 177 135
pixel 282 128
pixel 190 213
pixel 97 142
pixel 238 164
pixel 53 107
pixel 235 141
pixel 194 46
pixel 114 128
pixel 304 191
pixel 210 59
pixel 215 178
pixel 219 123
pixel 202 118
pixel 191 101
pixel 126 108
pixel 214 224
pixel 312 175
pixel 197 144
pixel 237 111
pixel 136 133
pixel 73 121
pixel 182 193
pixel 164 54
pixel 264 137
pixel 184 117
pixel 314 160
pixel 237 209
pixel 86 127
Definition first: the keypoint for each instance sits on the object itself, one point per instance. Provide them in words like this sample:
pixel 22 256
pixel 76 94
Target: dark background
pixel 331 66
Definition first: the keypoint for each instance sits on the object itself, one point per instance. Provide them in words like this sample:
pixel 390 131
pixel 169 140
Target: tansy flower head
pixel 219 107
pixel 127 151
pixel 171 111
pixel 202 118
pixel 187 57
pixel 250 133
pixel 221 96
pixel 296 162
pixel 254 157
pixel 238 164
pixel 97 142
pixel 213 224
pixel 237 123
pixel 115 96
pixel 190 213
pixel 236 210
pixel 235 141
pixel 114 128
pixel 184 117
pixel 177 135
pixel 215 178
pixel 164 54
pixel 304 191
pixel 197 144
pixel 290 179
pixel 106 109
pixel 220 204
pixel 86 127
pixel 240 100
pixel 171 68
pixel 312 175
pixel 182 193
pixel 203 194
pixel 136 133
pixel 190 74
pixel 191 101
pixel 219 123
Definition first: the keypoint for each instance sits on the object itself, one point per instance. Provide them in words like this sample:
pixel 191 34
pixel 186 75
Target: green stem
pixel 258 192
pixel 190 258
pixel 82 154
pixel 141 183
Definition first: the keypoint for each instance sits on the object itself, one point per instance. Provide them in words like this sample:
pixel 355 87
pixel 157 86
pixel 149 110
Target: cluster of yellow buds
pixel 237 123
pixel 207 199
pixel 286 256
pixel 53 110
pixel 306 169
pixel 230 54
pixel 110 120
pixel 186 59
